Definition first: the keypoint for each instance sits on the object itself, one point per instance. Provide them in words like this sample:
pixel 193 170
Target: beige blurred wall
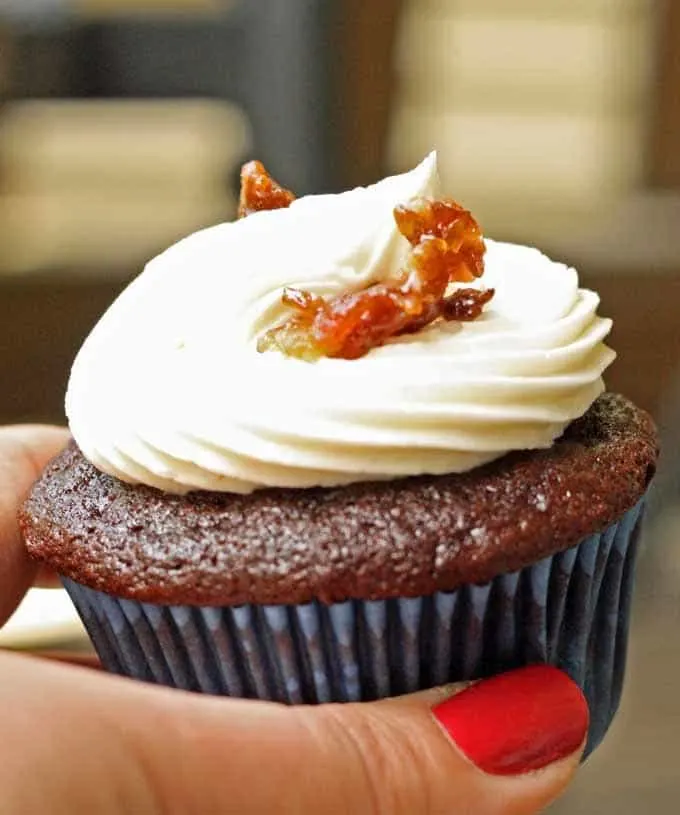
pixel 539 109
pixel 101 185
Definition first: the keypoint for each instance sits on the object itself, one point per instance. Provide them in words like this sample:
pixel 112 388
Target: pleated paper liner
pixel 570 610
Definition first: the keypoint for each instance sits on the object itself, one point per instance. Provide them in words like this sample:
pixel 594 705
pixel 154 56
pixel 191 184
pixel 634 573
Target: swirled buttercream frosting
pixel 169 389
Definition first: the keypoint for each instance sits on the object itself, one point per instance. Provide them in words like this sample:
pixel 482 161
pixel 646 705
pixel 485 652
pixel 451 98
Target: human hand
pixel 76 740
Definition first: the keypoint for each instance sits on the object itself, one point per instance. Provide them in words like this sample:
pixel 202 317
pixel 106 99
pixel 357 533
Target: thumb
pixel 24 452
pixel 505 745
pixel 509 744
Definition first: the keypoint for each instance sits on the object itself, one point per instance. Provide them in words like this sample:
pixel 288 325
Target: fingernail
pixel 517 722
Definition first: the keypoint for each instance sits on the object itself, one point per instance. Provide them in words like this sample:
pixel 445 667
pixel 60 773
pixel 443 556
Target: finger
pixel 82 659
pixel 24 452
pixel 432 696
pixel 507 745
pixel 46 578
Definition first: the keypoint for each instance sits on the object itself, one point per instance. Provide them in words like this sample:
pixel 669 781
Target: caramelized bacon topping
pixel 259 191
pixel 446 247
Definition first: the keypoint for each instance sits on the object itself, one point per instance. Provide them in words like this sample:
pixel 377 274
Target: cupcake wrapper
pixel 570 610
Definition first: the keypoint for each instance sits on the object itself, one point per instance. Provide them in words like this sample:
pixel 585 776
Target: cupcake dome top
pixel 406 537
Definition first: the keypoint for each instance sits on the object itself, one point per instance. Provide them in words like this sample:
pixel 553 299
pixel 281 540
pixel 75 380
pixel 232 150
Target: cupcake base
pixel 570 610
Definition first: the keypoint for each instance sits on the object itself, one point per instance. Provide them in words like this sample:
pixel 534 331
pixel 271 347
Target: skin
pixel 76 740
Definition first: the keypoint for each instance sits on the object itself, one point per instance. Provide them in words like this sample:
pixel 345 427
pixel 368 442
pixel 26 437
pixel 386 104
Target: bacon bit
pixel 447 248
pixel 259 191
pixel 422 219
pixel 463 306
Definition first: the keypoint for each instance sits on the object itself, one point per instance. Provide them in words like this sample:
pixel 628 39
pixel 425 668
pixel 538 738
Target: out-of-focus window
pixel 540 110
pixel 103 184
pixel 90 180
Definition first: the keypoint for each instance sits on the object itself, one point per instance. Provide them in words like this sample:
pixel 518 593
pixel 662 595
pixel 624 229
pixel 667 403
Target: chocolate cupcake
pixel 362 489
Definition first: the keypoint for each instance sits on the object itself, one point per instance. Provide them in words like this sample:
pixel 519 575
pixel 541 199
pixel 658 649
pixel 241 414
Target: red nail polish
pixel 518 721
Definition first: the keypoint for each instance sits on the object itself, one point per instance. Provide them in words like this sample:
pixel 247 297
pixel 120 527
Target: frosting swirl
pixel 169 390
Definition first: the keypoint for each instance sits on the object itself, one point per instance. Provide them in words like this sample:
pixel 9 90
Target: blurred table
pixel 43 321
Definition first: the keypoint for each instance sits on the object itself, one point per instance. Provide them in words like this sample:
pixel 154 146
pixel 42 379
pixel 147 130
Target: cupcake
pixel 342 449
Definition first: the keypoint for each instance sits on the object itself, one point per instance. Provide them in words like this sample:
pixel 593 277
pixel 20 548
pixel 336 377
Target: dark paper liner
pixel 570 610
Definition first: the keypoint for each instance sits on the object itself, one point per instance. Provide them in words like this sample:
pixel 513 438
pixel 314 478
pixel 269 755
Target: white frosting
pixel 169 389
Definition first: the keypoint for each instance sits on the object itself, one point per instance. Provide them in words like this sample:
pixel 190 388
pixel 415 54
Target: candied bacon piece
pixel 445 219
pixel 463 306
pixel 447 247
pixel 347 326
pixel 355 323
pixel 259 191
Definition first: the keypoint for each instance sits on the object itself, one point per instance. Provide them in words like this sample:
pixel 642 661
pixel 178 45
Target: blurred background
pixel 123 124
